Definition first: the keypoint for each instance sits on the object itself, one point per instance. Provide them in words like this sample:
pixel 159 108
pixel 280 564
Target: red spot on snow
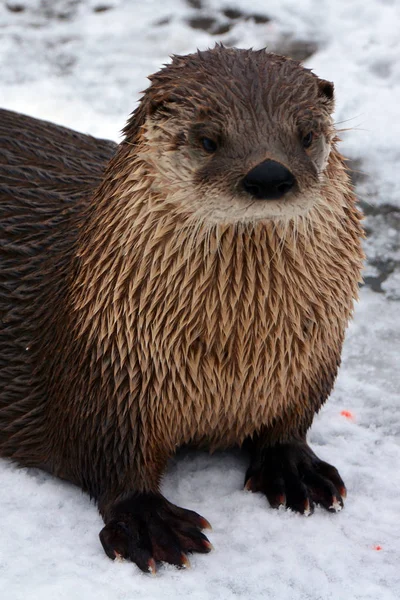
pixel 378 548
pixel 349 415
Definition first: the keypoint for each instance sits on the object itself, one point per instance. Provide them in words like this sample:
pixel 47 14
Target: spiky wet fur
pixel 130 328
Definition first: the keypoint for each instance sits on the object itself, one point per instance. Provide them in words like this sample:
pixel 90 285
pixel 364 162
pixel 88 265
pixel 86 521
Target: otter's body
pixel 136 318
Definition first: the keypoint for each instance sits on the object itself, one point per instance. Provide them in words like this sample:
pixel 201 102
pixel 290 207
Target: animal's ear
pixel 156 101
pixel 137 119
pixel 326 92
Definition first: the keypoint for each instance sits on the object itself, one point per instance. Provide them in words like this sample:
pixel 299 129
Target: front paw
pixel 292 475
pixel 146 529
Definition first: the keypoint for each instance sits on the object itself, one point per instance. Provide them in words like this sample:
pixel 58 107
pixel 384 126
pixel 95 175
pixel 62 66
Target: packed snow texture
pixel 82 63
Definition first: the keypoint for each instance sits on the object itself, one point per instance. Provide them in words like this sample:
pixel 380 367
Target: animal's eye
pixel 307 139
pixel 208 144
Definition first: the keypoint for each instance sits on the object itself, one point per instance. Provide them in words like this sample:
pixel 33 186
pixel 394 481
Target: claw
pixel 281 500
pixel 307 508
pixel 152 567
pixel 336 505
pixel 278 500
pixel 249 484
pixel 185 561
pixel 205 524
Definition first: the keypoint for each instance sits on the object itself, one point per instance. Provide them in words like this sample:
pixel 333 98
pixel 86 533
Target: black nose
pixel 268 181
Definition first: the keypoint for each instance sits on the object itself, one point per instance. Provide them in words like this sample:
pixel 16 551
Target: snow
pixel 75 63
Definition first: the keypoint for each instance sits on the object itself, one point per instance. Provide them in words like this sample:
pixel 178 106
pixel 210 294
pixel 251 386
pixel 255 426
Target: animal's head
pixel 236 135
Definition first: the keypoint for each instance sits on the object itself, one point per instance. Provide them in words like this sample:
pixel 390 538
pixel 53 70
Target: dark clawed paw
pixel 146 529
pixel 293 476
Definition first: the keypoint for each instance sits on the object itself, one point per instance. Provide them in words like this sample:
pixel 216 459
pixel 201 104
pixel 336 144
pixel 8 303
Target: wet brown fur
pixel 132 323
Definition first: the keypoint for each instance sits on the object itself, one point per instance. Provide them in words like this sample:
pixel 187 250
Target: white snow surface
pixel 79 65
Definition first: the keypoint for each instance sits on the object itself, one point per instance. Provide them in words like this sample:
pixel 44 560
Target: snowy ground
pixel 82 63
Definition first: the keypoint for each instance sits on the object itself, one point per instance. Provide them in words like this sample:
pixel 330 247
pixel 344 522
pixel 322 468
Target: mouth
pixel 240 209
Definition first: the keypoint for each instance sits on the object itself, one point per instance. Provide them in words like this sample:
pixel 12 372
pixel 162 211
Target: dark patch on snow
pixel 258 18
pixel 296 49
pixel 385 268
pixel 209 25
pixel 233 13
pixel 220 25
pixel 161 22
pixel 47 9
pixel 195 4
pixel 203 23
pixel 223 28
pixel 357 175
pixel 99 8
pixel 381 209
pixel 382 227
pixel 15 7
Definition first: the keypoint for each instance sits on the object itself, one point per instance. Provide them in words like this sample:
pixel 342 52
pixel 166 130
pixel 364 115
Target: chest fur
pixel 212 333
pixel 230 332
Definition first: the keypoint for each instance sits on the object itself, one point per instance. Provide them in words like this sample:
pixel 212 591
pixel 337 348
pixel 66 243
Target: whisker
pixel 350 119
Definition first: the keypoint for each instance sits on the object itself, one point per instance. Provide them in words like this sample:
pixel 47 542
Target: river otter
pixel 190 286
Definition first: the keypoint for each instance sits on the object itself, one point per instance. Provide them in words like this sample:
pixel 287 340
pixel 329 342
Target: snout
pixel 268 181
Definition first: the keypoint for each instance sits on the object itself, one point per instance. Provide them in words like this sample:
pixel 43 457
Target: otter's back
pixel 47 173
